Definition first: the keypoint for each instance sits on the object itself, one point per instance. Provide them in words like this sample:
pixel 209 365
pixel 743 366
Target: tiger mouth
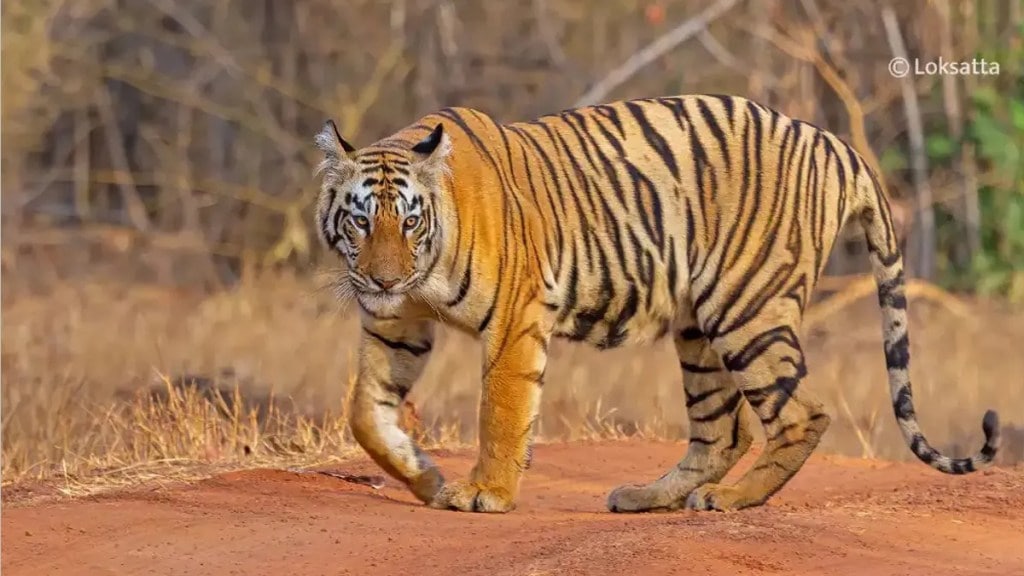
pixel 400 289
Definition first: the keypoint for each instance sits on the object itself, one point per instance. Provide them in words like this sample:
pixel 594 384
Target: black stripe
pixel 854 160
pixel 897 355
pixel 704 441
pixel 691 333
pixel 904 404
pixel 465 283
pixel 765 248
pixel 988 451
pixel 617 331
pixel 487 317
pixel 891 294
pixel 728 102
pixel 540 152
pixel 648 206
pixel 727 407
pixel 574 194
pixel 414 349
pixel 587 318
pixel 751 190
pixel 374 314
pixel 735 433
pixel 654 138
pixel 691 242
pixel 697 369
pixel 331 237
pixel 539 195
pixel 780 392
pixel 613 115
pixel 716 131
pixel 673 274
pixel 392 388
pixel 694 399
pixel 741 359
pixel 569 306
pixel 647 279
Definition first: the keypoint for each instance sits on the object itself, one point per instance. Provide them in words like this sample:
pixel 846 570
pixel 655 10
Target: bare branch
pixel 918 159
pixel 541 15
pixel 963 162
pixel 721 53
pixel 134 206
pixel 854 109
pixel 656 49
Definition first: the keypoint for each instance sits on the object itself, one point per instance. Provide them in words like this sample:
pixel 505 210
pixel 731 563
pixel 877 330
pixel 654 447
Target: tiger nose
pixel 385 283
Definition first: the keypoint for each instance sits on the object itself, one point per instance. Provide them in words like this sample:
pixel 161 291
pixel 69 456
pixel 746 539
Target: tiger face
pixel 378 209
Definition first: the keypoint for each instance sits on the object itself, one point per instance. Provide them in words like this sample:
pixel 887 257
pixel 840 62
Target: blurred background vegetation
pixel 169 141
pixel 162 150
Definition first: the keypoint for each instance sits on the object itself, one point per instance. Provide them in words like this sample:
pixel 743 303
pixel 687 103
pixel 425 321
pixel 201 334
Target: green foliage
pixel 996 128
pixel 893 160
pixel 940 147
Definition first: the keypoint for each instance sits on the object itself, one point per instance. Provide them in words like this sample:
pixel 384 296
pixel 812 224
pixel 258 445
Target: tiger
pixel 706 218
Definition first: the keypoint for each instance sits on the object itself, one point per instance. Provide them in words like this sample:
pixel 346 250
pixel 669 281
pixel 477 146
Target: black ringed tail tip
pixel 990 425
pixel 930 456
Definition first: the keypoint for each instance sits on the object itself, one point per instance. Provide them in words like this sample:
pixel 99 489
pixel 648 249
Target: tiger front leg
pixel 515 359
pixel 392 356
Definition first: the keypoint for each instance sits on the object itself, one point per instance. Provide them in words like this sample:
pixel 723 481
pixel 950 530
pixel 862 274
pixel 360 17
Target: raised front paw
pixel 473 497
pixel 715 497
pixel 427 484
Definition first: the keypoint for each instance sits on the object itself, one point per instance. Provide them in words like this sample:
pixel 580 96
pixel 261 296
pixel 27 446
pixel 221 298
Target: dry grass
pixel 75 359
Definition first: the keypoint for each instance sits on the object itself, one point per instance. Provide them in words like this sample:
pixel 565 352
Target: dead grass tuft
pixel 107 385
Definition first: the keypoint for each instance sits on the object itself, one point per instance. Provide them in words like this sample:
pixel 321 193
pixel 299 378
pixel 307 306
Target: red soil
pixel 838 516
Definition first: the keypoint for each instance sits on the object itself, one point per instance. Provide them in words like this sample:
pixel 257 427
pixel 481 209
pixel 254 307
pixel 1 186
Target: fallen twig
pixel 373 481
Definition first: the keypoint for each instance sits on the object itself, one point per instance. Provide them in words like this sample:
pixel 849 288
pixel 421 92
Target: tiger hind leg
pixel 769 368
pixel 721 422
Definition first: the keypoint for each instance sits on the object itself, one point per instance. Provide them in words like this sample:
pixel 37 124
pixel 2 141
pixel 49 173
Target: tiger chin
pixel 707 219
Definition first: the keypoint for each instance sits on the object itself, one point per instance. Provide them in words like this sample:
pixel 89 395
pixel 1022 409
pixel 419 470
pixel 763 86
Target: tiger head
pixel 379 208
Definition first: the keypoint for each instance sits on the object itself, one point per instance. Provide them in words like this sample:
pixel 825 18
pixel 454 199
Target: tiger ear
pixel 336 162
pixel 433 149
pixel 330 142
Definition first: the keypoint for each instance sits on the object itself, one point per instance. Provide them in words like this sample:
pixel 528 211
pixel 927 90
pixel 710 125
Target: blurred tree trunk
pixel 922 252
pixel 963 162
pixel 761 54
pixel 423 43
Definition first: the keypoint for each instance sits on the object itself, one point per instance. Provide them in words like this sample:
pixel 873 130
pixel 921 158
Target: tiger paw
pixel 427 485
pixel 634 498
pixel 715 497
pixel 473 497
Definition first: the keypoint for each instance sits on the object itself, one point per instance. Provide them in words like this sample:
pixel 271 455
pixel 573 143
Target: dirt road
pixel 838 516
